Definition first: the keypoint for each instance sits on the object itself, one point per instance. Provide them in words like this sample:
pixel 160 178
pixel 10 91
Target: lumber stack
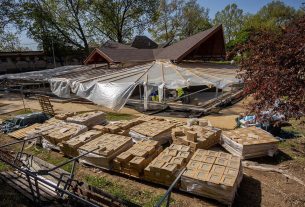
pixel 154 130
pixel 197 137
pixel 110 145
pixel 88 119
pixel 22 133
pixel 249 142
pixel 166 166
pixel 69 147
pixel 134 160
pixel 213 174
pixel 62 132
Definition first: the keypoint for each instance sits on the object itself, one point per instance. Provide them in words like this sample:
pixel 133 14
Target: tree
pixel 194 19
pixel 167 22
pixel 178 19
pixel 119 20
pixel 231 17
pixel 273 70
pixel 49 19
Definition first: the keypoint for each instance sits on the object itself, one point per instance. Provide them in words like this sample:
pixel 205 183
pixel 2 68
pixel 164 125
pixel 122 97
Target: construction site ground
pixel 258 188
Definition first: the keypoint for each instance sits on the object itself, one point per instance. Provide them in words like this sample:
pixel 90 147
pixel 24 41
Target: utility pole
pixel 53 54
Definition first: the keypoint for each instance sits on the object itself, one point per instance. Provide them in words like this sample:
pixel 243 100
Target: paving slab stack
pixel 167 165
pixel 88 119
pixel 212 174
pixel 249 142
pixel 64 116
pixel 134 160
pixel 197 137
pixel 152 130
pixel 69 147
pixel 110 145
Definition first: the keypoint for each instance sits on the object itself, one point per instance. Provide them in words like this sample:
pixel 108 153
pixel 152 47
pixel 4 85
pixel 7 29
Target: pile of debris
pixel 109 146
pixel 213 174
pixel 249 142
pixel 165 168
pixel 134 160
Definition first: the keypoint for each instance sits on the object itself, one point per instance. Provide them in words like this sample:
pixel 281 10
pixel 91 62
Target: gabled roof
pixel 181 49
pixel 143 42
pixel 209 43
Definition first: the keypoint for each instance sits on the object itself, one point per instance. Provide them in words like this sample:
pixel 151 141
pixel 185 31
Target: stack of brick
pixel 134 160
pixel 69 147
pixel 197 137
pixel 249 142
pixel 109 146
pixel 164 168
pixel 88 119
pixel 62 132
pixel 119 127
pixel 64 116
pixel 154 130
pixel 211 174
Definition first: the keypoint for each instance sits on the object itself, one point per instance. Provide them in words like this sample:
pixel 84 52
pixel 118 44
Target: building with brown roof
pixel 208 44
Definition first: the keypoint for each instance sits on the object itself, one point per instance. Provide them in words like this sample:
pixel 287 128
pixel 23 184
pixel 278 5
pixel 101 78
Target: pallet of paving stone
pixel 88 119
pixel 69 147
pixel 167 165
pixel 212 174
pixel 110 145
pixel 153 130
pixel 133 161
pixel 22 133
pixel 249 142
pixel 197 137
pixel 61 133
pixel 64 116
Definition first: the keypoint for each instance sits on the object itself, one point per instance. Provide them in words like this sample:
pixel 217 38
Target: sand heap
pixel 69 147
pixel 134 160
pixel 88 119
pixel 153 130
pixel 164 168
pixel 213 174
pixel 197 137
pixel 110 145
pixel 249 142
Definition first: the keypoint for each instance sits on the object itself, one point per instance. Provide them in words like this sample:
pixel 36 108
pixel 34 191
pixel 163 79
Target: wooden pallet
pixel 21 133
pixel 46 105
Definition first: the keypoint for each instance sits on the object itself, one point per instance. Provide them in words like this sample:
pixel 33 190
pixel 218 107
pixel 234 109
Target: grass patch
pixel 23 111
pixel 137 196
pixel 3 167
pixel 111 116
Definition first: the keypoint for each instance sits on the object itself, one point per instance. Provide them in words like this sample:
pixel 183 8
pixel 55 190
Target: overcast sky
pixel 249 6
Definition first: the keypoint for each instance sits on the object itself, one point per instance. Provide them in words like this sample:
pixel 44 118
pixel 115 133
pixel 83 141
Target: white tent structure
pixel 113 89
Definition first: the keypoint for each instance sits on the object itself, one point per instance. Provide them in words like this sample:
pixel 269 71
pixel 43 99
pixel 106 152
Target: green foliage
pixel 178 19
pixel 111 116
pixel 130 16
pixel 3 167
pixel 232 18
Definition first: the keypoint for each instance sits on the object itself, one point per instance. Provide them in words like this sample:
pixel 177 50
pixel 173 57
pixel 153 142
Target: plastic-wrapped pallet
pixel 197 137
pixel 154 130
pixel 69 147
pixel 164 168
pixel 134 160
pixel 249 142
pixel 110 145
pixel 88 119
pixel 211 174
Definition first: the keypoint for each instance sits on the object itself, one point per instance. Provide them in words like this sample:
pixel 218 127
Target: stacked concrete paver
pixel 88 119
pixel 164 168
pixel 213 174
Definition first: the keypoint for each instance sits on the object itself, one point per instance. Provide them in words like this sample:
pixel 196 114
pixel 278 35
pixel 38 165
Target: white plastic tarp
pixel 114 89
